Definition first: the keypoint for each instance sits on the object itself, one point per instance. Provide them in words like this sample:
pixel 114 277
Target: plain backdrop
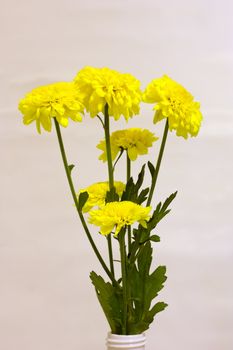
pixel 46 299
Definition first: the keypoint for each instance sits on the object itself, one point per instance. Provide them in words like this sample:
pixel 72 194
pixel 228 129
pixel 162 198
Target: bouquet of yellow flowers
pixel 122 212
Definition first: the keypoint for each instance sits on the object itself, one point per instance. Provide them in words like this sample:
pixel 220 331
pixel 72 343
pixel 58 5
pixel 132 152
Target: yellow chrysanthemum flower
pixel 116 215
pixel 135 141
pixel 58 100
pixel 101 86
pixel 174 102
pixel 97 194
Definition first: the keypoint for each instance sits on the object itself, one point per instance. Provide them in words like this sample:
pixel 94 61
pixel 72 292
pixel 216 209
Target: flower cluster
pixel 101 86
pixel 128 297
pixel 174 102
pixel 116 215
pixel 97 194
pixel 58 100
pixel 135 141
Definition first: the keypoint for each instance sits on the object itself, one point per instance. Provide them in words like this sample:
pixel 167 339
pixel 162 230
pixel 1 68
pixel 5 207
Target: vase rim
pixel 140 335
pixel 129 342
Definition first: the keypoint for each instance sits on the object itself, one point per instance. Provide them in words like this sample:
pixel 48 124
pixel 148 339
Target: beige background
pixel 46 300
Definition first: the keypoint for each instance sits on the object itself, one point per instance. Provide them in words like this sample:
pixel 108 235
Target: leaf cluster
pixel 143 287
pixel 133 190
pixel 143 283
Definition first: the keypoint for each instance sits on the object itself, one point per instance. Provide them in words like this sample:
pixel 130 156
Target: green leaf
pixel 145 237
pixel 140 178
pixel 150 284
pixel 136 289
pixel 71 167
pixel 144 263
pixel 144 260
pixel 144 287
pixel 158 307
pixel 112 196
pixel 110 300
pixel 154 238
pixel 129 191
pixel 83 197
pixel 151 168
pixel 142 196
pixel 168 201
pixel 160 212
pixel 154 284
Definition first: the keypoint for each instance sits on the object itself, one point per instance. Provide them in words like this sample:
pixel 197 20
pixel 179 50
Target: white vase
pixel 120 342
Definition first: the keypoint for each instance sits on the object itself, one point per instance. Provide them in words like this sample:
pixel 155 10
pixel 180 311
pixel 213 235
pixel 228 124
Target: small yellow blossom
pixel 101 86
pixel 58 100
pixel 97 194
pixel 174 102
pixel 116 215
pixel 135 141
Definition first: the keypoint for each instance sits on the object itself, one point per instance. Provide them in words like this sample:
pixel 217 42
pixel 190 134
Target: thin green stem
pixel 100 119
pixel 71 185
pixel 116 161
pixel 155 176
pixel 128 167
pixel 124 280
pixel 110 176
pixel 108 147
pixel 128 174
pixel 110 253
pixel 128 289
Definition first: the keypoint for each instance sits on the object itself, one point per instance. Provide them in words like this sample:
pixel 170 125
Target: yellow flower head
pixel 101 86
pixel 59 100
pixel 135 141
pixel 97 194
pixel 116 215
pixel 174 102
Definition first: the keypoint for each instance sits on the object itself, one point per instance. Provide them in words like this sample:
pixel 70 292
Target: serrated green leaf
pixel 129 190
pixel 143 196
pixel 112 196
pixel 144 263
pixel 136 290
pixel 138 327
pixel 144 260
pixel 140 178
pixel 104 292
pixel 154 284
pixel 110 301
pixel 160 212
pixel 146 237
pixel 151 168
pixel 83 197
pixel 158 307
pixel 168 201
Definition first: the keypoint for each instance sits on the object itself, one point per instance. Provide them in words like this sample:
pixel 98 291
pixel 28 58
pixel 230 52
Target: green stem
pixel 67 170
pixel 110 176
pixel 155 176
pixel 134 249
pixel 128 291
pixel 124 280
pixel 128 166
pixel 128 174
pixel 100 119
pixel 116 161
pixel 110 253
pixel 108 147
